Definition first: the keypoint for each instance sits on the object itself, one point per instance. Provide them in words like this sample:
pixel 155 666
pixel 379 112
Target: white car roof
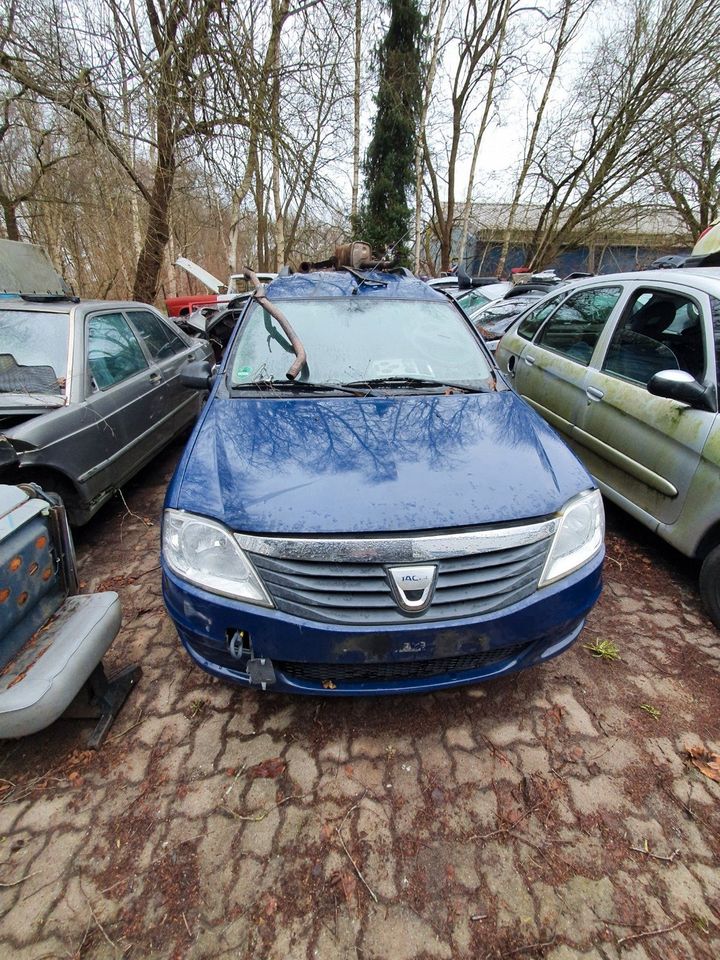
pixel 698 278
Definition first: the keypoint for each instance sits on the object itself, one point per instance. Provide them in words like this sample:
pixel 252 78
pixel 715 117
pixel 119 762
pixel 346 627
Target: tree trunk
pixel 279 227
pixel 172 255
pixel 419 152
pixel 10 214
pixel 481 133
pixel 356 115
pixel 560 47
pixel 157 232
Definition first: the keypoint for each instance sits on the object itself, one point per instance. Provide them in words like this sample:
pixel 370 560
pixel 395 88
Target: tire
pixel 710 584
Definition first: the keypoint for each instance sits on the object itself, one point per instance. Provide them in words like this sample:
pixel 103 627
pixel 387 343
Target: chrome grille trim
pixel 399 548
pixel 360 594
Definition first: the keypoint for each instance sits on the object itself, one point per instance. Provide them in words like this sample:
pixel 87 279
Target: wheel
pixel 710 584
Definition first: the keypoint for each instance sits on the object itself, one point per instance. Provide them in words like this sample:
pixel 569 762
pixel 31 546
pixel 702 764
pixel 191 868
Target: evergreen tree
pixel 389 169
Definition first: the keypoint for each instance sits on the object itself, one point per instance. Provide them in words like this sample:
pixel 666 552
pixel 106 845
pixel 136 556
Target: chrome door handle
pixel 592 393
pixel 155 378
pixel 529 360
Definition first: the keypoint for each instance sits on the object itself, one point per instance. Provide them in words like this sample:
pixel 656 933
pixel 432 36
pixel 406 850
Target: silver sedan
pixel 626 367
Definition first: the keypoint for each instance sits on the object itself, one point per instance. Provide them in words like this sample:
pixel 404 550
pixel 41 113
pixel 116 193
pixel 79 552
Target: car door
pixel 120 394
pixel 552 370
pixel 643 449
pixel 174 405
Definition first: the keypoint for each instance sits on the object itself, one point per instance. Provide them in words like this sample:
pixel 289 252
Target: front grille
pixel 359 593
pixel 398 670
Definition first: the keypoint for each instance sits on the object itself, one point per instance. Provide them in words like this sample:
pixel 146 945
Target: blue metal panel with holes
pixel 31 589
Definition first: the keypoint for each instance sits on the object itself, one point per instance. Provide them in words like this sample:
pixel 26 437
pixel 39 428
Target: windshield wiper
pixel 418 382
pixel 306 386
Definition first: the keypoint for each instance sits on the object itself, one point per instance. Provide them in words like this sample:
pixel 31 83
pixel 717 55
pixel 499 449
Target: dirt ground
pixel 555 813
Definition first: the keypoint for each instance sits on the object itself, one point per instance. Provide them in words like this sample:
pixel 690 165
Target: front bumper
pixel 334 660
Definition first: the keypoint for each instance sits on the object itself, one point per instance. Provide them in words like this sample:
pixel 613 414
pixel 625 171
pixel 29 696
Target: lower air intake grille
pixel 402 670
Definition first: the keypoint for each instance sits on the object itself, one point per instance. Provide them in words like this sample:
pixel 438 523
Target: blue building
pixel 625 238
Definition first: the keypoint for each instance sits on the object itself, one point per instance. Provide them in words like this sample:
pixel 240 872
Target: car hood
pixel 17 409
pixel 374 464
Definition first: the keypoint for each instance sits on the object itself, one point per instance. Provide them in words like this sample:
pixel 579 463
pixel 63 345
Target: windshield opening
pixel 355 340
pixel 33 352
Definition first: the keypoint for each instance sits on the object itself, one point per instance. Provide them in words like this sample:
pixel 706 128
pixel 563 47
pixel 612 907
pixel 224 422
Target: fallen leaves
pixel 271 905
pixel 555 713
pixel 267 769
pixel 652 711
pixel 347 882
pixel 706 762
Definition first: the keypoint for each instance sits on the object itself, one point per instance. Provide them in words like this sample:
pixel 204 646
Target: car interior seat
pixel 653 318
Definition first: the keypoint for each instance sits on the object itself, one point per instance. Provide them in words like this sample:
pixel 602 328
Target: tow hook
pixel 261 671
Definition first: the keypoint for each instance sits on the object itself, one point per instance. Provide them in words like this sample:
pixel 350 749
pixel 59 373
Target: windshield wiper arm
pixel 417 382
pixel 302 385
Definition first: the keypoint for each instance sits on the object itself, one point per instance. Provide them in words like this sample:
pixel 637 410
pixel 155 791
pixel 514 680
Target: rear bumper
pixel 333 660
pixel 49 671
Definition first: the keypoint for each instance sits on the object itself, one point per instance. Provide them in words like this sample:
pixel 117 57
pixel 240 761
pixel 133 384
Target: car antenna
pixel 274 311
pixel 390 251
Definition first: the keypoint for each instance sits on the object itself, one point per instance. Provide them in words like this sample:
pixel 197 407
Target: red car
pixel 222 292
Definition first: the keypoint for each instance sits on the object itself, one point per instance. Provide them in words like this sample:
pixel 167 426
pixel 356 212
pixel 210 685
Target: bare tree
pixel 498 57
pixel 598 147
pixel 565 23
pixel 70 58
pixel 686 159
pixel 477 32
pixel 30 146
pixel 357 100
pixel 419 152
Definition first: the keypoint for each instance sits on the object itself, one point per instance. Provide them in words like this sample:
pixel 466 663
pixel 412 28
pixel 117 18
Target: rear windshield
pixel 33 351
pixel 357 339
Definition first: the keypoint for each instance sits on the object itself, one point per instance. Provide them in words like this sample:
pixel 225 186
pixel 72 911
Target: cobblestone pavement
pixel 548 814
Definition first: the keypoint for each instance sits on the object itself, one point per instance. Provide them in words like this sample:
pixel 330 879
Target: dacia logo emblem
pixel 413 587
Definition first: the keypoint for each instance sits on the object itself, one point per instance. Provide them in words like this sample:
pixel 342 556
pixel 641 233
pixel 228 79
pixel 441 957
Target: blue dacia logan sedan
pixel 393 519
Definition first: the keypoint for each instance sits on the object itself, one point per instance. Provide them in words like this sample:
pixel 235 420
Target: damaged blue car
pixel 366 507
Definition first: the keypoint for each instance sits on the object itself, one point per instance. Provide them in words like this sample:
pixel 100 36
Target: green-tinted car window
pixel 114 353
pixel 575 327
pixel 160 340
pixel 664 333
pixel 533 321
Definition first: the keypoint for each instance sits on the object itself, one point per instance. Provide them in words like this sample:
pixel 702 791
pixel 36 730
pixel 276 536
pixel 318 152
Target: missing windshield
pixel 355 343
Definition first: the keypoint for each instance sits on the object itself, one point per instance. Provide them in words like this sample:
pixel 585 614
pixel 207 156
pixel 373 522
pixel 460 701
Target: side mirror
pixel 198 375
pixel 681 386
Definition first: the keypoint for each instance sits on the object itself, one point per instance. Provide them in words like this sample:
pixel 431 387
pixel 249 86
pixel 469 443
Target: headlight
pixel 578 537
pixel 205 553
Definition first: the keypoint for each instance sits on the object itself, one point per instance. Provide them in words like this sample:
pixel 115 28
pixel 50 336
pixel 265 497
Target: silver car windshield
pixel 361 339
pixel 33 351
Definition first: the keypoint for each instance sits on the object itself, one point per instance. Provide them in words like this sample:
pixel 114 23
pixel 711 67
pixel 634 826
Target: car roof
pixel 67 305
pixel 702 278
pixel 331 284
